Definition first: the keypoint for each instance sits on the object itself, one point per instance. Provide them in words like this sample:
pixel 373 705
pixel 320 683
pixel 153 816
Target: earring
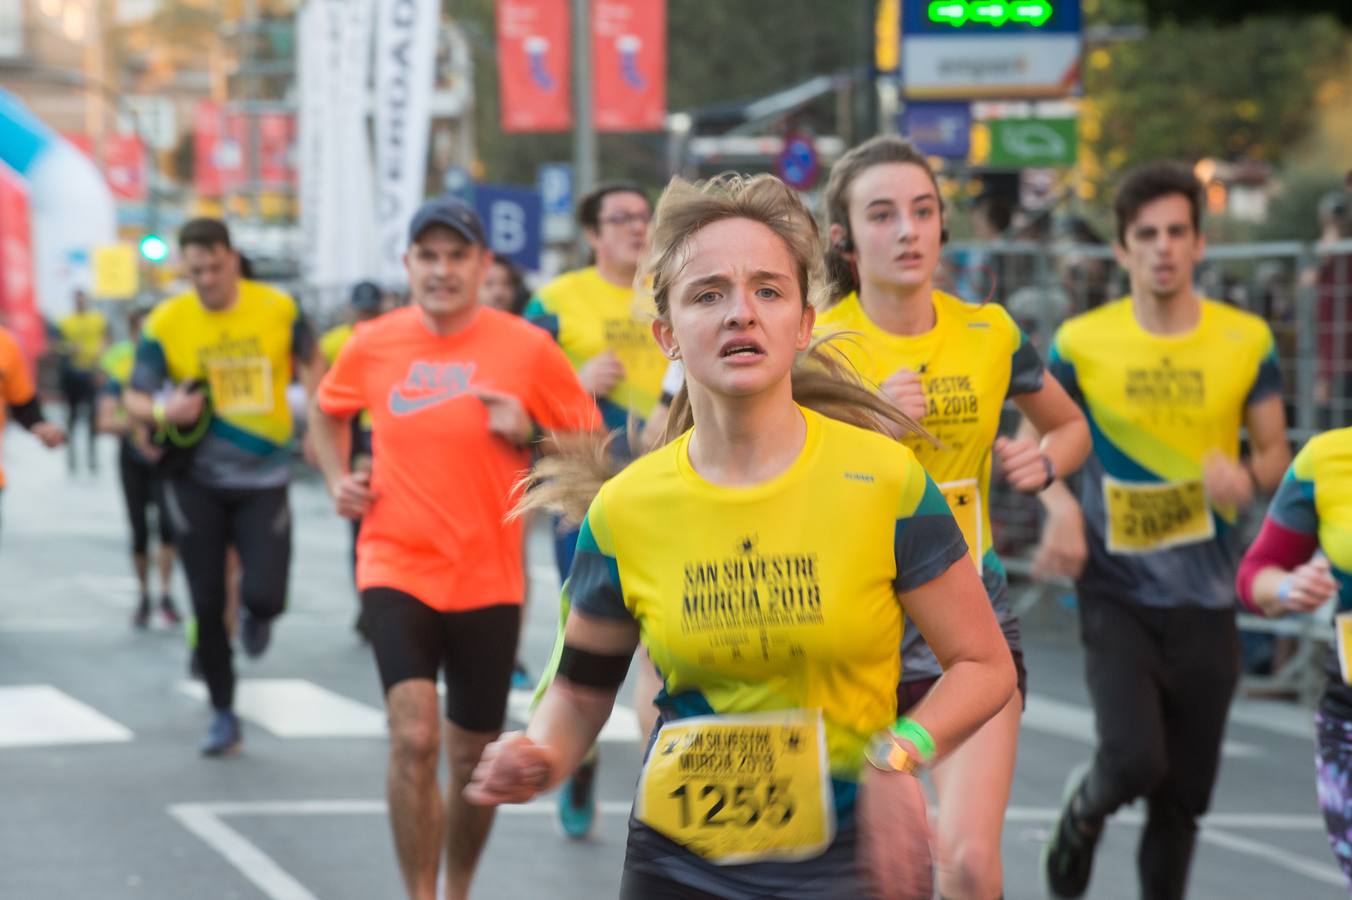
pixel 674 353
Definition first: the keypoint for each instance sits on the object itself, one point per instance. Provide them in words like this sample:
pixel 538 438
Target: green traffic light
pixel 154 248
pixel 1032 12
pixel 990 12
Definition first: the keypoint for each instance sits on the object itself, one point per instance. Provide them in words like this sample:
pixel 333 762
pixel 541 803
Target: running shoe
pixel 223 737
pixel 170 611
pixel 254 633
pixel 1068 857
pixel 577 800
pixel 140 619
pixel 521 680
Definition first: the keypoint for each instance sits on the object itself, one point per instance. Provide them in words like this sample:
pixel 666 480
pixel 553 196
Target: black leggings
pixel 78 389
pixel 207 520
pixel 142 488
pixel 1160 680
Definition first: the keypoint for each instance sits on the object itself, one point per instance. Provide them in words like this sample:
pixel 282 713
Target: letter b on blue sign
pixel 512 217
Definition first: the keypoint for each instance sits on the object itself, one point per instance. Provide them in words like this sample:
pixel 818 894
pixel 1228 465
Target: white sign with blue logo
pixel 512 218
pixel 972 49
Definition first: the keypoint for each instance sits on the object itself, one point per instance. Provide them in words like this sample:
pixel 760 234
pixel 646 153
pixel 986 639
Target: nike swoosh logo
pixel 403 406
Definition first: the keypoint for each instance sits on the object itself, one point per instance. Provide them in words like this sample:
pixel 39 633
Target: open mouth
pixel 741 349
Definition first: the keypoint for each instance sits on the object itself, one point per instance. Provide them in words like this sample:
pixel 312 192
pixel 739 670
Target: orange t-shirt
pixel 443 482
pixel 16 384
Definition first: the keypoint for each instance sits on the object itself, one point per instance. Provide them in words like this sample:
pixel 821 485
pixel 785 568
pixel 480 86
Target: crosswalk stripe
pixel 35 715
pixel 296 708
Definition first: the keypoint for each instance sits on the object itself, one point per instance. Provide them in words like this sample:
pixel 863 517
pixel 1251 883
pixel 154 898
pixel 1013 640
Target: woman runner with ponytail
pixel 949 365
pixel 764 556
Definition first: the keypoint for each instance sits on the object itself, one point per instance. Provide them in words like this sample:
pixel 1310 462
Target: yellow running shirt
pixel 777 596
pixel 84 334
pixel 1157 406
pixel 243 355
pixel 969 363
pixel 333 341
pixel 588 315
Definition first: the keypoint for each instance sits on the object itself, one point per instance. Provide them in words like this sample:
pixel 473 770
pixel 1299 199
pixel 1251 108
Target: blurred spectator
pixel 504 287
pixel 1085 277
pixel 1333 309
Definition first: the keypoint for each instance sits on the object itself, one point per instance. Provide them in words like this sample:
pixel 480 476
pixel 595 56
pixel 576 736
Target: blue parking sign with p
pixel 511 217
pixel 556 188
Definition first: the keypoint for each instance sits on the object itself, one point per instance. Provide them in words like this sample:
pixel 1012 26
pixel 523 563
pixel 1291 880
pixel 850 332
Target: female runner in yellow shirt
pixel 764 557
pixel 949 365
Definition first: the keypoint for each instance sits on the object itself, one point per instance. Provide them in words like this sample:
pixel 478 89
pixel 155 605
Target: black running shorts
pixel 475 648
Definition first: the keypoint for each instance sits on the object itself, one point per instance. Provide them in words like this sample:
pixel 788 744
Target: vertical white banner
pixel 336 196
pixel 405 55
pixel 357 259
pixel 315 150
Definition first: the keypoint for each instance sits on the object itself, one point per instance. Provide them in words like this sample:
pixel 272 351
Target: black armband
pixel 28 414
pixel 593 670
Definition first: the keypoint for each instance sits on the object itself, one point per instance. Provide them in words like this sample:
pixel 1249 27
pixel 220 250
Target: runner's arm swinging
pixel 331 438
pixel 571 713
pixel 519 765
pixel 954 614
pixel 1269 449
pixel 1051 414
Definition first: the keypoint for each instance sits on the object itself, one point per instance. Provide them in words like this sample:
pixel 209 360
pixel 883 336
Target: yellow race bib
pixel 964 499
pixel 1342 629
pixel 1143 517
pixel 241 385
pixel 741 789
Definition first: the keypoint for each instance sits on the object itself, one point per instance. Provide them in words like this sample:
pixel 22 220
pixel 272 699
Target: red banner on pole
pixel 124 166
pixel 534 65
pixel 629 64
pixel 18 298
pixel 207 127
pixel 276 138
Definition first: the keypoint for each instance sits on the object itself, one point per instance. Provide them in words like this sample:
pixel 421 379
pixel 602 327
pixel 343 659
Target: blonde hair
pixel 567 480
pixel 876 151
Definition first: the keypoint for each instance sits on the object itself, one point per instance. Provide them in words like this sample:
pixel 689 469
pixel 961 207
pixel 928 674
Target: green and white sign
pixel 1033 142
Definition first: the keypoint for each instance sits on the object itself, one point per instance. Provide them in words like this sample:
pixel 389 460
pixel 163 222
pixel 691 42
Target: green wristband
pixel 913 731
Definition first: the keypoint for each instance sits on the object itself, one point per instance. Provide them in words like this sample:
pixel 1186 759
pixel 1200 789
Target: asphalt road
pixel 102 792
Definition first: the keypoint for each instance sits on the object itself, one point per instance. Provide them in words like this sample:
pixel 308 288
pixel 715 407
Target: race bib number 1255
pixel 740 789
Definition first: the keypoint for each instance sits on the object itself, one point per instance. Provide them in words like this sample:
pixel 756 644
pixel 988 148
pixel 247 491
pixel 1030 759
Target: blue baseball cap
pixel 365 296
pixel 452 212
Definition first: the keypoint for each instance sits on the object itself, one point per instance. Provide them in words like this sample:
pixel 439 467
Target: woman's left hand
pixel 895 850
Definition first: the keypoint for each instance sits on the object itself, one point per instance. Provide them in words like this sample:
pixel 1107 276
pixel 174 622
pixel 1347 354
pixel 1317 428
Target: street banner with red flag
pixel 629 64
pixel 534 65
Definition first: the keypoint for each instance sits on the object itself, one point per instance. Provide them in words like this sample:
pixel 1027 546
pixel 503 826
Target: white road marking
pixel 1282 859
pixel 1071 720
pixel 240 852
pixel 296 708
pixel 206 821
pixel 36 715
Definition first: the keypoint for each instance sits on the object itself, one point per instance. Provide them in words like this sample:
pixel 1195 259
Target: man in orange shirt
pixel 457 393
pixel 18 394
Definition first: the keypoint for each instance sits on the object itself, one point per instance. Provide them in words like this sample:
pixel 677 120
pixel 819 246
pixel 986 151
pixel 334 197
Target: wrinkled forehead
pixel 734 250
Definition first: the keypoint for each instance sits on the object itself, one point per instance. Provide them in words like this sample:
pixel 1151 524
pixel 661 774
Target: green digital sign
pixel 992 13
